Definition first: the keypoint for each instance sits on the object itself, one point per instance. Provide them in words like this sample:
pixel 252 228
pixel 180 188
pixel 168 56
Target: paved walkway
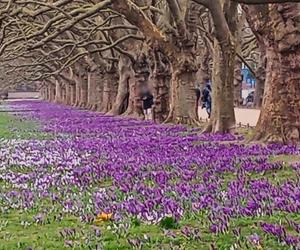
pixel 22 99
pixel 243 116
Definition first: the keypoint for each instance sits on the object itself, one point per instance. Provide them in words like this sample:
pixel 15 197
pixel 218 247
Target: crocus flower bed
pixel 116 183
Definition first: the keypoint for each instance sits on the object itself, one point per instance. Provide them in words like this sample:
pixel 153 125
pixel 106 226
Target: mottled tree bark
pixel 51 92
pixel 260 77
pixel 161 79
pixel 80 88
pixel 58 91
pixel 95 69
pixel 225 22
pixel 183 97
pixel 280 115
pixel 279 120
pixel 47 93
pixel 110 88
pixel 204 71
pixel 63 93
pixel 184 67
pixel 67 94
pixel 83 91
pixel 141 73
pixel 77 91
pixel 93 78
pixel 99 91
pixel 238 79
pixel 72 93
pixel 125 73
pixel 134 108
pixel 222 117
pixel 44 91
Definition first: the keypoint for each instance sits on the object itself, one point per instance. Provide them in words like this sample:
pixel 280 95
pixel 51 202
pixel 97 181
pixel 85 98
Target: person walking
pixel 250 99
pixel 206 99
pixel 198 95
pixel 148 102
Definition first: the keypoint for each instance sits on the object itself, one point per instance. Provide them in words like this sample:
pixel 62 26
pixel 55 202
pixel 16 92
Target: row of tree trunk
pixel 114 92
pixel 173 74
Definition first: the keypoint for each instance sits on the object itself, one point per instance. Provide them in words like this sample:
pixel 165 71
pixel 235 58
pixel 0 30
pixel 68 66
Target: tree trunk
pixel 63 94
pixel 204 71
pixel 238 79
pixel 72 94
pixel 58 92
pixel 125 72
pixel 43 93
pixel 47 93
pixel 161 86
pixel 110 89
pixel 183 108
pixel 140 79
pixel 83 92
pixel 161 79
pixel 279 120
pixel 99 91
pixel 68 93
pixel 183 96
pixel 77 91
pixel 93 77
pixel 134 109
pixel 280 115
pixel 52 92
pixel 260 77
pixel 259 88
pixel 222 117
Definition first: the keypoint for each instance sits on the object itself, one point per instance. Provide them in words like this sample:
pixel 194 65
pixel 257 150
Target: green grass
pixel 246 132
pixel 47 236
pixel 13 127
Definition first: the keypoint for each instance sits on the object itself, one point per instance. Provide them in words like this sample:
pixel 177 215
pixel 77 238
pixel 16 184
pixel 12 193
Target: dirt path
pixel 243 116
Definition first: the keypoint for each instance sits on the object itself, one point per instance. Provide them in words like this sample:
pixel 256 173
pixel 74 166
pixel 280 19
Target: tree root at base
pixel 134 115
pixel 182 121
pixel 267 138
pixel 212 128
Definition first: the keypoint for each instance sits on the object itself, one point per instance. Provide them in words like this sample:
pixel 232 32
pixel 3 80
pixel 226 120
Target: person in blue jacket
pixel 206 99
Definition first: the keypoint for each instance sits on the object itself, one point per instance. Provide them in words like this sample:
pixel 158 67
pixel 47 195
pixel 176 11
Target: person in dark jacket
pixel 198 94
pixel 148 102
pixel 250 99
pixel 198 97
pixel 206 99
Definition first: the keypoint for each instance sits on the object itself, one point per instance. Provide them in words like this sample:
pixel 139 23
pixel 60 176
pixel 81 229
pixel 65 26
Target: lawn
pixel 156 186
pixel 16 127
